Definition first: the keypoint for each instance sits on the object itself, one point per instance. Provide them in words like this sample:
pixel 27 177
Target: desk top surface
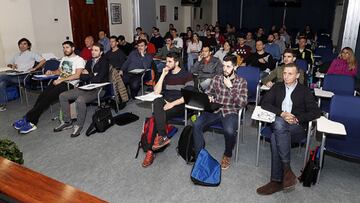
pixel 26 185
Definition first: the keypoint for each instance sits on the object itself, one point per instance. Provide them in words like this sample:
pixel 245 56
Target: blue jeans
pixel 229 123
pixel 190 60
pixel 283 135
pixel 5 81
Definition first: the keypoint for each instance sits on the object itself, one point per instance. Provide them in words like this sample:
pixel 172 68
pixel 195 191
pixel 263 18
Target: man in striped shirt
pixel 229 90
pixel 171 104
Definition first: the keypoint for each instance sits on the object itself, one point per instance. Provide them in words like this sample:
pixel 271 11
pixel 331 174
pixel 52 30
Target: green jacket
pixel 276 75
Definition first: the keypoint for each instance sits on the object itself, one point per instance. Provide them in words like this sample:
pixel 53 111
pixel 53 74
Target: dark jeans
pixel 162 116
pixel 283 135
pixel 44 100
pixel 229 123
pixel 5 81
pixel 134 81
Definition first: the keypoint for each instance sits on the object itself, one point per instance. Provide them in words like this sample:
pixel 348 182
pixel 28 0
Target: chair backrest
pixel 252 76
pixel 302 64
pixel 339 84
pixel 51 64
pixel 326 54
pixel 345 109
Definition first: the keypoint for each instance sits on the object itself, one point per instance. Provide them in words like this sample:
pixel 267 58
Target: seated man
pixel 137 59
pixel 260 58
pixel 178 42
pixel 71 66
pixel 125 46
pixel 303 53
pixel 156 39
pixel 104 40
pixel 276 75
pixel 23 61
pixel 164 51
pixel 85 53
pixel 115 56
pixel 167 48
pixel 230 90
pixel 172 79
pixel 206 67
pixel 241 49
pixel 272 48
pixel 294 106
pixel 96 71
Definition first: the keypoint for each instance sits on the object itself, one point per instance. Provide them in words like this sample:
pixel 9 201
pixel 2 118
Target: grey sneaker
pixel 2 108
pixel 63 126
pixel 77 131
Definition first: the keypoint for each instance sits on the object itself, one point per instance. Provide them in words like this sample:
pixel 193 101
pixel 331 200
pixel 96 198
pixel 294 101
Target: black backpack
pixel 185 146
pixel 101 121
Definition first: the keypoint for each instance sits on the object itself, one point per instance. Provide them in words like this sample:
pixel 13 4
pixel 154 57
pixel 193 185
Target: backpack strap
pixel 91 130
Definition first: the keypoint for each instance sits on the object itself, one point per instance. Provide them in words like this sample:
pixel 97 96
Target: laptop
pixel 199 99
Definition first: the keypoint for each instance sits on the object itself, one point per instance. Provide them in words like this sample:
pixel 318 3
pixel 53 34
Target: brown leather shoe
pixel 225 162
pixel 149 158
pixel 289 180
pixel 270 188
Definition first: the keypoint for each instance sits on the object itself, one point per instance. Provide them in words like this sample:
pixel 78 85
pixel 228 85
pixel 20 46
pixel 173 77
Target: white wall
pixel 126 28
pixel 170 4
pixel 207 10
pixel 184 14
pixel 35 20
pixel 49 33
pixel 16 21
pixel 337 24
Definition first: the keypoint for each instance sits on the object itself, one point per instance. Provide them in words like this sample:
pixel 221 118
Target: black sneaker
pixel 63 126
pixel 77 131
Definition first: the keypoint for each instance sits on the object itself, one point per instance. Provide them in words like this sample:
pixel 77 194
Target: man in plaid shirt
pixel 230 90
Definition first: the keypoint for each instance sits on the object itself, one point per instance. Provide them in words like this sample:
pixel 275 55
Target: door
pixel 147 15
pixel 87 18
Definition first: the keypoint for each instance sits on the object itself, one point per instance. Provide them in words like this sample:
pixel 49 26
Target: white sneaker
pixel 2 108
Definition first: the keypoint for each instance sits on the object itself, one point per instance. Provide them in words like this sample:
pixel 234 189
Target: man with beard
pixel 172 79
pixel 230 91
pixel 96 71
pixel 116 57
pixel 272 48
pixel 71 66
pixel 137 59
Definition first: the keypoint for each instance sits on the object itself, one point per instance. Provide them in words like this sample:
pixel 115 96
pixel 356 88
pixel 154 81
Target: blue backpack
pixel 206 170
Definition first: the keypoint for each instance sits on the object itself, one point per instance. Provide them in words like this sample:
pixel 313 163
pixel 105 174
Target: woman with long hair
pixel 193 49
pixel 223 51
pixel 344 65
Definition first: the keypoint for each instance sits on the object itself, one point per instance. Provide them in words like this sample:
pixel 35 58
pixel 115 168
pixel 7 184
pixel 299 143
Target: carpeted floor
pixel 104 164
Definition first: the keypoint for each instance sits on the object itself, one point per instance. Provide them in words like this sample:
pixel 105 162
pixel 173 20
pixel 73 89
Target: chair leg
pixel 322 148
pixel 258 145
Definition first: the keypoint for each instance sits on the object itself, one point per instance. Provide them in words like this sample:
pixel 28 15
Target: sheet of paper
pixel 148 97
pixel 93 86
pixel 319 75
pixel 137 71
pixel 323 93
pixel 6 69
pixel 45 76
pixel 328 126
pixel 264 87
pixel 260 114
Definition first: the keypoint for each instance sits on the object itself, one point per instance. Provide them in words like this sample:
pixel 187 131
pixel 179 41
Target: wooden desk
pixel 24 185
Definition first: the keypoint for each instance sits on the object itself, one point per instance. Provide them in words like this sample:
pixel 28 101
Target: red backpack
pixel 149 133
